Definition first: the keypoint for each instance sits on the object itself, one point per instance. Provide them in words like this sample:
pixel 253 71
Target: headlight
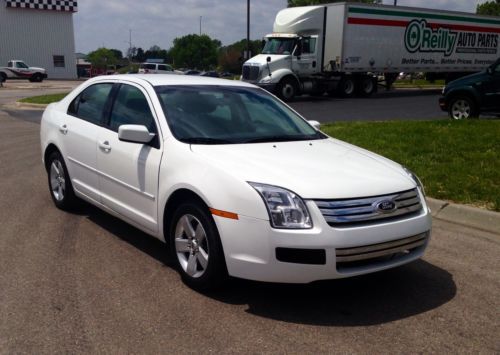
pixel 286 209
pixel 265 79
pixel 416 179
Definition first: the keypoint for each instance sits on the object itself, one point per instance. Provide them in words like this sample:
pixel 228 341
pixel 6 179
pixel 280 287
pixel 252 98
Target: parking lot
pixel 87 282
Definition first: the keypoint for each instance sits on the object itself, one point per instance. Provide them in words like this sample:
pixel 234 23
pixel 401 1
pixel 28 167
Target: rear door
pixel 79 129
pixel 128 172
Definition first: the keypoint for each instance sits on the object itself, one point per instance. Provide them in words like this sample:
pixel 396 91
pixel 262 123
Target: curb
pixel 28 105
pixel 465 215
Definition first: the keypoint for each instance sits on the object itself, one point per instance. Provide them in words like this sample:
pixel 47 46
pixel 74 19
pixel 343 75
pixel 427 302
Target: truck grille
pixel 345 212
pixel 250 72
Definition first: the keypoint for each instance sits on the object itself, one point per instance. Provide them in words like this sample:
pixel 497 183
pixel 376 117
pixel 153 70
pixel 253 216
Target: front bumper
pixel 442 104
pixel 255 251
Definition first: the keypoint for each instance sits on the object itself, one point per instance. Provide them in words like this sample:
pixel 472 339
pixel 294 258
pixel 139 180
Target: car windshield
pixel 279 46
pixel 230 115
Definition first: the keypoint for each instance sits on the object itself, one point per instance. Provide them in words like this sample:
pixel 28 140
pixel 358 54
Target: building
pixel 41 33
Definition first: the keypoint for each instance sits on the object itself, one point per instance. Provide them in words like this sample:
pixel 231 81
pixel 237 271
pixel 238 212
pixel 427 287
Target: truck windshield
pixel 279 46
pixel 230 115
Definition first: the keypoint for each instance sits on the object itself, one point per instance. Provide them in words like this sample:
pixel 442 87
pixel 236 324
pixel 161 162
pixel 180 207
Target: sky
pixel 108 23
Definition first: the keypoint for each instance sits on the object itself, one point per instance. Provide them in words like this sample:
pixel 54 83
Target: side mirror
pixel 298 49
pixel 268 59
pixel 134 134
pixel 315 124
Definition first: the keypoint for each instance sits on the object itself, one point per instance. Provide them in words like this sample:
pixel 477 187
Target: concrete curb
pixel 28 105
pixel 465 215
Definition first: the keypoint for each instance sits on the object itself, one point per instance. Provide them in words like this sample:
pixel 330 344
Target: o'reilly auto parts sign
pixel 410 39
pixel 421 37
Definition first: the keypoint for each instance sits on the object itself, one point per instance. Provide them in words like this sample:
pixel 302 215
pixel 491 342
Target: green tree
pixel 231 57
pixel 118 53
pixel 293 3
pixel 155 52
pixel 194 51
pixel 102 57
pixel 489 8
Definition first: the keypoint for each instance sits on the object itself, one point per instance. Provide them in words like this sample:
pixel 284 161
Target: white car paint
pixel 134 182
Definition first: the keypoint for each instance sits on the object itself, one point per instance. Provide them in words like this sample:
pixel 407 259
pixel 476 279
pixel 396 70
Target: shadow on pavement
pixel 365 300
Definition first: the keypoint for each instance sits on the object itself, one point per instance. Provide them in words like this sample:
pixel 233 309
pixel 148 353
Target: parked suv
pixel 234 181
pixel 473 94
pixel 155 68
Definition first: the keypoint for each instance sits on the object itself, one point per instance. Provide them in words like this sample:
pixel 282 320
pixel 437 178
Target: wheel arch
pixel 51 148
pixel 468 92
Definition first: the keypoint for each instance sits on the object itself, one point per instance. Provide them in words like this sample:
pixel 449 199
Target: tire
pixel 3 78
pixel 346 87
pixel 462 107
pixel 287 89
pixel 366 86
pixel 196 248
pixel 36 78
pixel 60 187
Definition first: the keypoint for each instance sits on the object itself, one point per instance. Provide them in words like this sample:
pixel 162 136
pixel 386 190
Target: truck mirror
pixel 268 59
pixel 298 49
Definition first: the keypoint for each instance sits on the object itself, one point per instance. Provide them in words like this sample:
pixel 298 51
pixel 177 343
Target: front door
pixel 491 89
pixel 128 172
pixel 307 63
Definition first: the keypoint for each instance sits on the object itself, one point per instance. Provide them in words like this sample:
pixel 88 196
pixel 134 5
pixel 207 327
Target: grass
pixel 44 99
pixel 421 83
pixel 456 160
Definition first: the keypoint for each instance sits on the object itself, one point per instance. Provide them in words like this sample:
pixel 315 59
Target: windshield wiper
pixel 205 140
pixel 281 139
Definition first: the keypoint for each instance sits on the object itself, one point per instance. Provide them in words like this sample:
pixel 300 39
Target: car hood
pixel 468 80
pixel 37 69
pixel 319 169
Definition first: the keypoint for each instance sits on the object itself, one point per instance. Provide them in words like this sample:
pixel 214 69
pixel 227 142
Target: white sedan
pixel 234 181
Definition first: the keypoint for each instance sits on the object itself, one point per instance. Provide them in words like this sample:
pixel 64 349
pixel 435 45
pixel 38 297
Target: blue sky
pixel 157 22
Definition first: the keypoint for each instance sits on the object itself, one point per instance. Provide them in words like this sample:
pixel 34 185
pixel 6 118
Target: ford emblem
pixel 386 206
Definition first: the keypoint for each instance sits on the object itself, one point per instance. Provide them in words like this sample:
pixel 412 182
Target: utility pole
pixel 247 56
pixel 395 2
pixel 200 25
pixel 129 44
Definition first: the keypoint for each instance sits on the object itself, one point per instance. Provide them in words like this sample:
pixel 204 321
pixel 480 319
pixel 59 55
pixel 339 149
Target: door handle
pixel 63 129
pixel 105 146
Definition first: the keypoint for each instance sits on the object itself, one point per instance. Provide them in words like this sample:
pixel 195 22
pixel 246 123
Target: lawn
pixel 456 160
pixel 44 99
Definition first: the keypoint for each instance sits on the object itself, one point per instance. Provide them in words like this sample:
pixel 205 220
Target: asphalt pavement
pixel 85 282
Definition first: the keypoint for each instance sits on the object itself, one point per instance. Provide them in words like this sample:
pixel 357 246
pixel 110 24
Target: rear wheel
pixel 346 87
pixel 462 107
pixel 195 243
pixel 367 86
pixel 287 89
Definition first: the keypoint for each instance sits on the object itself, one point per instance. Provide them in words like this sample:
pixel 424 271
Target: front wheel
pixel 462 107
pixel 195 243
pixel 287 89
pixel 60 186
pixel 36 78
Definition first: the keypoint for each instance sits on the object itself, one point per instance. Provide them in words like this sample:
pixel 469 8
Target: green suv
pixel 473 94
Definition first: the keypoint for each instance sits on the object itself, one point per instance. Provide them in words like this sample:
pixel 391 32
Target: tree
pixel 230 57
pixel 118 53
pixel 489 8
pixel 155 52
pixel 194 51
pixel 293 3
pixel 101 58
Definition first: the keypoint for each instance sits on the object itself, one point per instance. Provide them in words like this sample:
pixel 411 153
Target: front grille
pixel 250 72
pixel 344 212
pixel 382 249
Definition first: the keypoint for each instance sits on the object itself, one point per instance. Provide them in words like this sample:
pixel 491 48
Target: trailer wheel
pixel 287 89
pixel 366 86
pixel 346 87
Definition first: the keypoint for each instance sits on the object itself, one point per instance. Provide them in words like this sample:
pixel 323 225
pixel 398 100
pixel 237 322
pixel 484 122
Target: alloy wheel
pixel 57 180
pixel 191 245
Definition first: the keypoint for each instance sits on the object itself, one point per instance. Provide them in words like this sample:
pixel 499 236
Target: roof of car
pixel 173 79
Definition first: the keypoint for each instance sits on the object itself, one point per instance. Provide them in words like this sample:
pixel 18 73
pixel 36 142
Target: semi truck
pixel 343 48
pixel 17 69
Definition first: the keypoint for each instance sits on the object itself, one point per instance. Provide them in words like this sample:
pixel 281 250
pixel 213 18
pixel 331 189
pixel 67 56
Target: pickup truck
pixel 17 69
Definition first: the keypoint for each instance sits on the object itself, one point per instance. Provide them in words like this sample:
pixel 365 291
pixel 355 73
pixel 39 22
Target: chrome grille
pixel 365 252
pixel 250 72
pixel 364 210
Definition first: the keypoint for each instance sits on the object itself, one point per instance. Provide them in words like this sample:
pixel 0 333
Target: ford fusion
pixel 234 181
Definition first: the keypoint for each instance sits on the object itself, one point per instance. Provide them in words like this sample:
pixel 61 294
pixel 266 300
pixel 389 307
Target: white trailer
pixel 341 47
